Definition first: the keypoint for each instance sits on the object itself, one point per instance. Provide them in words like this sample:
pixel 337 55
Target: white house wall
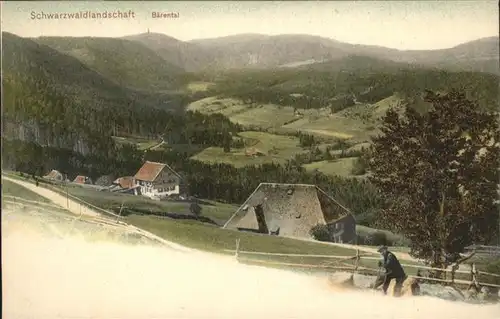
pixel 161 187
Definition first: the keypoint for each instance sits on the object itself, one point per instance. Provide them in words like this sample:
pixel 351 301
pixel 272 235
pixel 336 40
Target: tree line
pixel 220 182
pixel 62 121
pixel 337 90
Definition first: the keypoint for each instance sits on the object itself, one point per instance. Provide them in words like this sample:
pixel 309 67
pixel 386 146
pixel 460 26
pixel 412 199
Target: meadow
pixel 142 143
pixel 272 148
pixel 340 166
pixel 278 118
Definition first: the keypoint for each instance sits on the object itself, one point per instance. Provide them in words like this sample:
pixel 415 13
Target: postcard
pixel 250 159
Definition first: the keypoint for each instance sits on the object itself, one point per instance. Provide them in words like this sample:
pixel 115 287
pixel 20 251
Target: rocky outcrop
pixel 30 131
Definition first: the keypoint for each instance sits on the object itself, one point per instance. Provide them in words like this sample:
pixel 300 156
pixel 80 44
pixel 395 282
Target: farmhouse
pixel 254 152
pixel 291 210
pixel 158 180
pixel 125 185
pixel 125 182
pixel 55 176
pixel 80 179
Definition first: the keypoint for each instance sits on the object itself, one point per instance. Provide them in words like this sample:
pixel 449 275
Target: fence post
pixel 358 259
pixel 237 248
pixel 474 282
pixel 454 268
pixel 120 212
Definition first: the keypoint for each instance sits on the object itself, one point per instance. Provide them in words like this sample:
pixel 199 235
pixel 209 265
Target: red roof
pixel 80 179
pixel 150 170
pixel 125 181
pixel 53 174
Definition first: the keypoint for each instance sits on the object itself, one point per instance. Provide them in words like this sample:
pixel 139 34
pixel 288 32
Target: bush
pixel 320 232
pixel 359 167
pixel 379 238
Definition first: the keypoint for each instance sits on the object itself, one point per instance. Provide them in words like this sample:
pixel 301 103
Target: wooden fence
pixel 473 273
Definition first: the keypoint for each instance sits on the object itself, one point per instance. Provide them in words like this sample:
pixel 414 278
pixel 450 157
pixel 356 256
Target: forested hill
pixel 127 63
pixel 360 78
pixel 37 63
pixel 53 99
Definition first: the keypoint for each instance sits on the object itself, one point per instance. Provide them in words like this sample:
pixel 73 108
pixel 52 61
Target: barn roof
pixel 53 174
pixel 125 181
pixel 80 179
pixel 294 208
pixel 150 171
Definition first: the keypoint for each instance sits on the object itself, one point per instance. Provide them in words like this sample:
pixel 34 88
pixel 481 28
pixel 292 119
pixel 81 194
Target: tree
pixel 439 172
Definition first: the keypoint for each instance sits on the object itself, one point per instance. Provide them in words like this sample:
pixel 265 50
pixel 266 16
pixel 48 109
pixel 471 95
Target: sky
pixel 402 25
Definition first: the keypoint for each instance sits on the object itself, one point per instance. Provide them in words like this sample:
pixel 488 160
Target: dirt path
pixel 80 210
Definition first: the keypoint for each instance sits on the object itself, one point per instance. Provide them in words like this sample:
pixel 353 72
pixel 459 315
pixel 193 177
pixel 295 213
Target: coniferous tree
pixel 439 171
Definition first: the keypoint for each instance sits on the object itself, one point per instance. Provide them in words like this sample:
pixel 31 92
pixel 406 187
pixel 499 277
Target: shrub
pixel 359 167
pixel 320 232
pixel 379 238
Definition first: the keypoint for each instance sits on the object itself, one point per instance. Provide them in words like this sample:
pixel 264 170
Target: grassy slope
pixel 341 166
pixel 277 148
pixel 12 189
pixel 316 122
pixel 218 212
pixel 26 198
pixel 140 142
pixel 264 116
pixel 269 116
pixel 215 239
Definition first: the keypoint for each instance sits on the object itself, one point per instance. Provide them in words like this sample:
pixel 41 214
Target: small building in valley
pixel 55 175
pixel 292 210
pixel 125 185
pixel 81 179
pixel 252 151
pixel 125 182
pixel 158 180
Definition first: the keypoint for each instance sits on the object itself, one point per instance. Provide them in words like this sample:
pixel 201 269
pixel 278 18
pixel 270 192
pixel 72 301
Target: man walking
pixel 393 270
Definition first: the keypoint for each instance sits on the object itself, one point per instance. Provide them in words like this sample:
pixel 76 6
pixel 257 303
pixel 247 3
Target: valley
pixel 227 121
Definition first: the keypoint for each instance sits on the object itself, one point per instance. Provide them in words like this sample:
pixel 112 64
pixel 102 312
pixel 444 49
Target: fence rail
pixel 65 192
pixel 473 273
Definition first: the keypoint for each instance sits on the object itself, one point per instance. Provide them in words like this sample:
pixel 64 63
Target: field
pixel 217 212
pixel 336 126
pixel 280 118
pixel 263 116
pixel 341 166
pixel 140 142
pixel 198 86
pixel 274 148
